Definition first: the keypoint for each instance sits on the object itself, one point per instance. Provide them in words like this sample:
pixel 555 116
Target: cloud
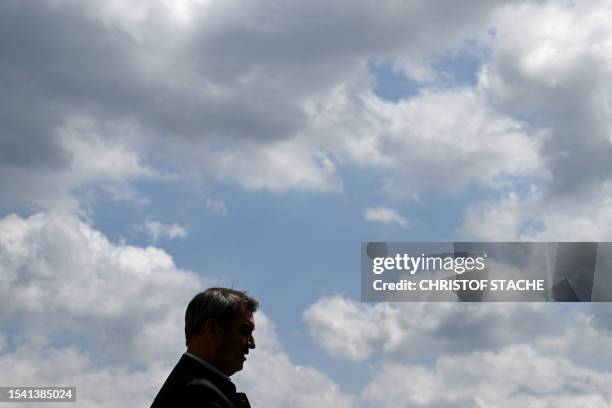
pixel 353 331
pixel 116 310
pixel 157 230
pixel 535 216
pixel 251 119
pixel 553 71
pixel 462 355
pixel 278 167
pixel 216 206
pixel 57 268
pixel 116 313
pixel 284 383
pixel 514 376
pixel 438 141
pixel 108 94
pixel 347 332
pixel 95 154
pixel 555 68
pixel 385 216
pixel 95 386
pixel 267 117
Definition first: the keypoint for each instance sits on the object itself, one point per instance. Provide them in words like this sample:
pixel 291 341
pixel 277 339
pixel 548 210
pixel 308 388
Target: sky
pixel 149 150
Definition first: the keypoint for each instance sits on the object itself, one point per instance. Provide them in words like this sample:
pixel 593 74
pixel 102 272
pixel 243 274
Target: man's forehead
pixel 245 316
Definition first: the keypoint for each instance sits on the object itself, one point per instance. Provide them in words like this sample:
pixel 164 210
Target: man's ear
pixel 210 328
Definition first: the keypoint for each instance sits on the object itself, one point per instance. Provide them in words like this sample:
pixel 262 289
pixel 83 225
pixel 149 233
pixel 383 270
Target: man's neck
pixel 206 362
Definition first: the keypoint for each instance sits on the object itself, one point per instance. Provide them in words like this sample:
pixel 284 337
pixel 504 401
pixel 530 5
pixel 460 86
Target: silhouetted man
pixel 219 328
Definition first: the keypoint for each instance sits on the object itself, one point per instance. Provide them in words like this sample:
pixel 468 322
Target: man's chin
pixel 236 368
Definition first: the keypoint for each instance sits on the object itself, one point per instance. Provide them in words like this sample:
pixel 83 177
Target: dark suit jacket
pixel 191 384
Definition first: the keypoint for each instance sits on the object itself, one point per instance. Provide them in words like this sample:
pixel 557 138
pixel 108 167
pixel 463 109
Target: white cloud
pixel 158 230
pixel 514 376
pixel 56 268
pixel 116 310
pixel 353 331
pixel 384 215
pixel 438 141
pixel 101 153
pixel 482 355
pixel 68 366
pixel 285 384
pixel 488 221
pixel 278 166
pixel 216 206
pixel 538 216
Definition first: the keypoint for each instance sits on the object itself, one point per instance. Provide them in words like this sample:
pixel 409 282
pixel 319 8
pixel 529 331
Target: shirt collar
pixel 208 365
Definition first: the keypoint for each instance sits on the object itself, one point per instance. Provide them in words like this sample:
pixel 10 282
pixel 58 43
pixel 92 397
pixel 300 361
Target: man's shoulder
pixel 183 372
pixel 201 390
pixel 189 384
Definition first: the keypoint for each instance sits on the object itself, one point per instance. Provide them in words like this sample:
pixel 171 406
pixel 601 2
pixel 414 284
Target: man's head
pixel 219 327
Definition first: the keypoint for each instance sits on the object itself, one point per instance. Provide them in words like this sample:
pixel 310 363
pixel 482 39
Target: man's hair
pixel 219 304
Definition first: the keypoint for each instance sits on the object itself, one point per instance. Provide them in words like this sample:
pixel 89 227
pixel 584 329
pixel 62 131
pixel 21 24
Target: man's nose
pixel 252 342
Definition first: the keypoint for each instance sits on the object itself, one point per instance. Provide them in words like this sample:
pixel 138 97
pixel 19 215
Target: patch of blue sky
pixel 434 215
pixel 530 226
pixel 352 377
pixel 390 84
pixel 438 215
pixel 255 246
pixel 523 186
pixel 539 117
pixel 119 220
pixel 452 68
pixel 460 66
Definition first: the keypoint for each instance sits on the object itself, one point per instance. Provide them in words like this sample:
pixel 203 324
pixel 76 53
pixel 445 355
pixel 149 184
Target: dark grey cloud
pixel 557 78
pixel 234 73
pixel 465 329
pixel 59 55
pixel 580 153
pixel 237 77
pixel 50 67
pixel 573 112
